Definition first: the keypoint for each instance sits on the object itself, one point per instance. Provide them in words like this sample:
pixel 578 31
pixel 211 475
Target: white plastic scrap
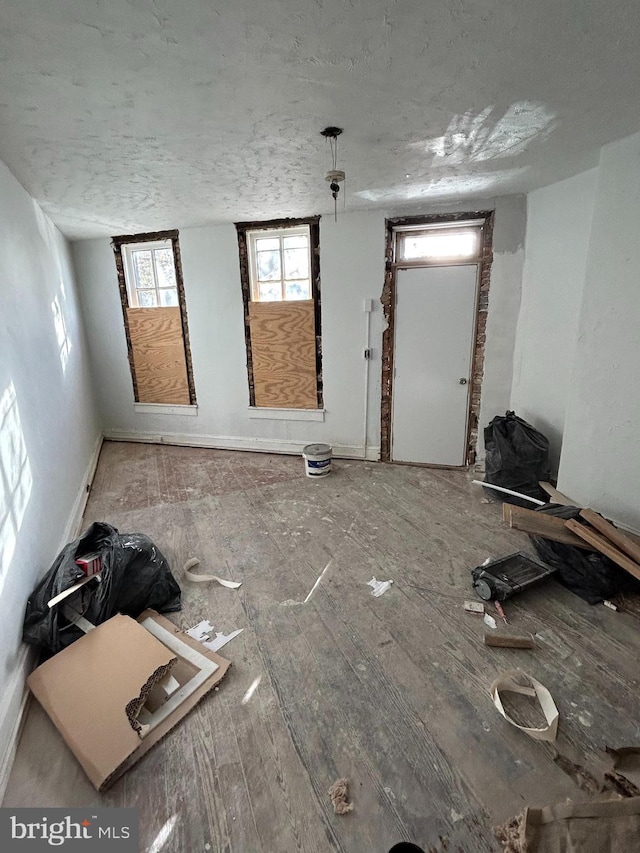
pixel 490 621
pixel 203 632
pixel 379 587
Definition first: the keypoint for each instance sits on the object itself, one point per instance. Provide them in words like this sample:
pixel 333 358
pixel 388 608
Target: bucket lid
pixel 317 449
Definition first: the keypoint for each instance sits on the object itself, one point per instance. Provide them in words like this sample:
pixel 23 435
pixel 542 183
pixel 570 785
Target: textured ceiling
pixel 130 115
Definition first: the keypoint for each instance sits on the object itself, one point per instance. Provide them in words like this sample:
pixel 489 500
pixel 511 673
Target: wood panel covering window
pixel 280 275
pixel 155 317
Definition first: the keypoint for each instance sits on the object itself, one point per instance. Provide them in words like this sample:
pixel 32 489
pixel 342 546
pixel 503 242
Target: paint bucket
pixel 317 460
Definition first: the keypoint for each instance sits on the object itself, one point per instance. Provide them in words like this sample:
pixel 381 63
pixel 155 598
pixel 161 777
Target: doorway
pixel 435 300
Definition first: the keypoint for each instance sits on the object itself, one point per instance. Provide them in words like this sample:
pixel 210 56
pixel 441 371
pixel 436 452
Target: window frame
pixel 131 277
pixel 243 229
pixel 280 233
pixel 401 232
pixel 119 244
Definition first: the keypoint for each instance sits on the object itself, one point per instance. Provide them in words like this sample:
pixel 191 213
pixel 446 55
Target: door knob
pixel 462 381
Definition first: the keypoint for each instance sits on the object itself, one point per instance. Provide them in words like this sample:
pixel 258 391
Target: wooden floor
pixel 390 692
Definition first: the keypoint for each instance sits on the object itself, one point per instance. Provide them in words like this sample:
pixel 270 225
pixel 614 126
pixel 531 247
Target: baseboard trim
pixel 229 442
pixel 12 708
pixel 79 505
pixel 16 693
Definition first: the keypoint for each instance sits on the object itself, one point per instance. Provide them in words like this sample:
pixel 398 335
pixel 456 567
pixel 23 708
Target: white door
pixel 434 324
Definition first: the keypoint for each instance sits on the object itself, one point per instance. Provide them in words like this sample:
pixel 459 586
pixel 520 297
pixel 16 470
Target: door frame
pixel 388 300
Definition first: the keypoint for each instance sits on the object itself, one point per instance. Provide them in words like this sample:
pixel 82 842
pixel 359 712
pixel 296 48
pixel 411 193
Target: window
pixel 151 275
pixel 438 244
pixel 155 320
pixel 280 278
pixel 280 267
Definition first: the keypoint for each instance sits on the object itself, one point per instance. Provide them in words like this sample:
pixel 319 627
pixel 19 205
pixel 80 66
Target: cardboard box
pixel 95 689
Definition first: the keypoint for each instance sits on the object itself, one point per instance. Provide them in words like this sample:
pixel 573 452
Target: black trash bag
pixel 589 574
pixel 135 576
pixel 517 458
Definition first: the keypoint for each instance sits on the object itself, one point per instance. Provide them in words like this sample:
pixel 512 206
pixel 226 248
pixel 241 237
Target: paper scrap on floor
pixel 474 606
pixel 204 632
pixel 490 621
pixel 194 561
pixel 513 681
pixel 379 587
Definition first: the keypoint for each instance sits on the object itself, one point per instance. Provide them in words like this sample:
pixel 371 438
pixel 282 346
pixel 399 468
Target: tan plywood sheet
pixel 158 355
pixel 283 348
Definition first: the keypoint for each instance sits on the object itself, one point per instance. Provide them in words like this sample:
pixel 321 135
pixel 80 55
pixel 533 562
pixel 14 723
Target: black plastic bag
pixel 135 576
pixel 517 457
pixel 589 574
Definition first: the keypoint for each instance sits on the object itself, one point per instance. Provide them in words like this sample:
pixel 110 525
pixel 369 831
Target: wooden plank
pixel 158 355
pixel 508 641
pixel 556 496
pixel 600 543
pixel 625 542
pixel 541 524
pixel 283 353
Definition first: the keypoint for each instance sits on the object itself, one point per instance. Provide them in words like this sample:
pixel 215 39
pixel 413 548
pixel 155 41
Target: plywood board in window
pixel 158 355
pixel 283 349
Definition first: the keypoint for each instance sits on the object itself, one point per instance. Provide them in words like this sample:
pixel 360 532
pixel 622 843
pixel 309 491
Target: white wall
pixel 504 304
pixel 48 423
pixel 352 270
pixel 557 241
pixel 600 463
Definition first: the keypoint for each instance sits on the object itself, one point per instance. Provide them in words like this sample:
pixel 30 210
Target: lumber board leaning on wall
pixel 283 351
pixel 158 355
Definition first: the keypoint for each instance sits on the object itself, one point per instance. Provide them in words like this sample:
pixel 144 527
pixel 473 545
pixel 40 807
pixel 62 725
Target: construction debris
pixel 474 607
pixel 339 793
pixel 379 587
pixel 519 682
pixel 194 561
pixel 509 641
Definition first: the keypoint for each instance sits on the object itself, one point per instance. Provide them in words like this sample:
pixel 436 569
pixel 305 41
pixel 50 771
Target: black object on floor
pixel 135 576
pixel 517 457
pixel 502 578
pixel 406 847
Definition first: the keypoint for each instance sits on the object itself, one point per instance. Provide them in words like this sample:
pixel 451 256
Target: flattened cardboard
pixel 87 688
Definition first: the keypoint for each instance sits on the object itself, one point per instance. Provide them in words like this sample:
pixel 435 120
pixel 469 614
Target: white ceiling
pixel 129 115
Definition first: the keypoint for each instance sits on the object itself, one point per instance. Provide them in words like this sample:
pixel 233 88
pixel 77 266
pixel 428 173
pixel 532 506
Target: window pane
pixel 435 244
pixel 298 242
pixel 165 269
pixel 298 290
pixel 267 244
pixel 269 266
pixel 168 297
pixel 142 269
pixel 296 263
pixel 147 299
pixel 270 292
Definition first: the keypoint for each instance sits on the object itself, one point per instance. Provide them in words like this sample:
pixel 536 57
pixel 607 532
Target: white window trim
pixel 129 274
pixel 285 231
pixel 165 409
pixel 264 413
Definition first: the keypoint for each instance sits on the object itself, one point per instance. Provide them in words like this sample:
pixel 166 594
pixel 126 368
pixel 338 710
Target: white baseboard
pixel 230 442
pixel 77 511
pixel 12 707
pixel 15 693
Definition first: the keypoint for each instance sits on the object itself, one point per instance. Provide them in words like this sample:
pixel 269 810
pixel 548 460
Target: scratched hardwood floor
pixel 391 692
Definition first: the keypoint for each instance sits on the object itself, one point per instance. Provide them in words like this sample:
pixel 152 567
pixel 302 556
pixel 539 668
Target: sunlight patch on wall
pixel 484 136
pixel 15 478
pixel 64 343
